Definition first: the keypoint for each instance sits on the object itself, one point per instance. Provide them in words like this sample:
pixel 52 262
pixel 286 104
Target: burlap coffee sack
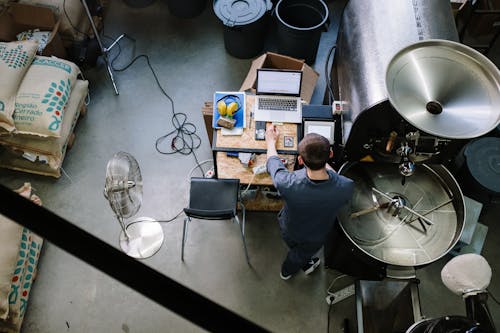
pixel 43 95
pixel 74 25
pixel 10 236
pixel 52 147
pixel 14 160
pixel 45 165
pixel 24 273
pixel 10 241
pixel 15 59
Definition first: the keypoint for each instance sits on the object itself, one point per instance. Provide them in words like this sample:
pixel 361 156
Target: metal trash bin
pixel 245 25
pixel 300 24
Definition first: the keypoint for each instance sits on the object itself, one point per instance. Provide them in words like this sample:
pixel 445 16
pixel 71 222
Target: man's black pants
pixel 299 254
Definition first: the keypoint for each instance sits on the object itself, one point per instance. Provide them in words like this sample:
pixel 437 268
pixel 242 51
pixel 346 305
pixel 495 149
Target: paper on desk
pixel 232 131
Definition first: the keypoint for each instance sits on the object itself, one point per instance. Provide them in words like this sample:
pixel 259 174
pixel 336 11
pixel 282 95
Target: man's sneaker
pixel 284 276
pixel 311 265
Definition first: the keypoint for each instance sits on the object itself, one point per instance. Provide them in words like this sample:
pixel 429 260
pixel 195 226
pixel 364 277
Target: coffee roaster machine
pixel 415 96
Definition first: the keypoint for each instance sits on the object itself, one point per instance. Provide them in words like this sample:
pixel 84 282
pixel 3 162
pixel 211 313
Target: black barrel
pixel 245 25
pixel 186 8
pixel 480 174
pixel 300 23
pixel 138 3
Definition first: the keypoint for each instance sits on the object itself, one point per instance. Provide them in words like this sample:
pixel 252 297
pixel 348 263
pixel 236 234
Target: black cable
pixel 174 296
pixel 112 61
pixel 330 306
pixel 71 23
pixel 331 95
pixel 327 73
pixel 493 297
pixel 159 221
pixel 184 138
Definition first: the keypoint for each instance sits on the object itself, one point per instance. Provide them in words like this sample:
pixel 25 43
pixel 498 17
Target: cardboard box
pixel 274 60
pixel 208 113
pixel 18 18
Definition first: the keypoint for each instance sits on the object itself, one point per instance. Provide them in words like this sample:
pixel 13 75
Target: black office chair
pixel 214 199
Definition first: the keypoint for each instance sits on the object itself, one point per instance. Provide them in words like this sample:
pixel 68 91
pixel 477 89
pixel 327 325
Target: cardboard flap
pixel 309 79
pixel 274 60
pixel 18 18
pixel 279 61
pixel 22 17
pixel 249 81
pixel 33 16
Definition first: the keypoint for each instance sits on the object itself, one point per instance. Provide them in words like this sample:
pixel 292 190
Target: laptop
pixel 278 96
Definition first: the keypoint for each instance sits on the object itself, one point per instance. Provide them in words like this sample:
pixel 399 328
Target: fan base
pixel 145 238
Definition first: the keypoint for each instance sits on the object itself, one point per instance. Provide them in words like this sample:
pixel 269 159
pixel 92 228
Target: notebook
pixel 278 96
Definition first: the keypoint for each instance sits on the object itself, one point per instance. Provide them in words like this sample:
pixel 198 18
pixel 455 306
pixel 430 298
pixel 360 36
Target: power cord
pixel 184 141
pixel 242 193
pixel 184 138
pixel 182 210
pixel 493 297
pixel 71 23
pixel 204 174
pixel 160 221
pixel 330 293
pixel 331 95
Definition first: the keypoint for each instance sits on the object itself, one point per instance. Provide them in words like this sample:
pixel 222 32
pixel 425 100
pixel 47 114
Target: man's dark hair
pixel 315 151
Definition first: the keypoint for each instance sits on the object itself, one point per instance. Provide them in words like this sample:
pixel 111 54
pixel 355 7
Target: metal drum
pixel 445 88
pixel 372 32
pixel 406 225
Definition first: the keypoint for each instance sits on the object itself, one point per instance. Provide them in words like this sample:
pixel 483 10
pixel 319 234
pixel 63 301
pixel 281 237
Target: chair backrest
pixel 211 194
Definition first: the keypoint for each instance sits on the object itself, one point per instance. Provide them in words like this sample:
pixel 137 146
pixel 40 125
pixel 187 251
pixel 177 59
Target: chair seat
pixel 214 199
pixel 210 214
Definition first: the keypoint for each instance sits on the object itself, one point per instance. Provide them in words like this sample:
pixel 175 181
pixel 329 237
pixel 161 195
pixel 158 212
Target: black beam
pixel 179 299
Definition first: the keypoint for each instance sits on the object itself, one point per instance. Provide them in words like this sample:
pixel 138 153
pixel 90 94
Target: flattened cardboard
pixel 279 61
pixel 18 18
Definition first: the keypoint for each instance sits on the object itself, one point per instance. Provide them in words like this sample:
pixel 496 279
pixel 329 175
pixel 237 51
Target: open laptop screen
pixel 278 82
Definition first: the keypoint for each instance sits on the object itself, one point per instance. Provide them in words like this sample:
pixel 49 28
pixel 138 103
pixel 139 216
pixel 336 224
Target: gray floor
pixel 189 57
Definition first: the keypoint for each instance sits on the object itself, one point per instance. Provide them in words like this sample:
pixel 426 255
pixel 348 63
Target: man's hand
pixel 272 134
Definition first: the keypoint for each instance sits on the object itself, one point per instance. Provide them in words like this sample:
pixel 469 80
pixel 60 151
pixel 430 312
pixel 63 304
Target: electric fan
pixel 142 237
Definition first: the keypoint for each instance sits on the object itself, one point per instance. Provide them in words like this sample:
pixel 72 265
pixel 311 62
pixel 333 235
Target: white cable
pixel 197 167
pixel 333 283
pixel 249 183
pixel 64 173
pixel 87 99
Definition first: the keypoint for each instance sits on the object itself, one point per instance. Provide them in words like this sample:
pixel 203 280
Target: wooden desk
pixel 231 167
pixel 247 143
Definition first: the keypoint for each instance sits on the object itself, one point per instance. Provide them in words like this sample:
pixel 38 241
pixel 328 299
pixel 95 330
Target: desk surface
pixel 231 167
pixel 246 141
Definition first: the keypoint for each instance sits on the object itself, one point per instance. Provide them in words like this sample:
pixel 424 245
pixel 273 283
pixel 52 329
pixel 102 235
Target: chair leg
pixel 184 235
pixel 242 230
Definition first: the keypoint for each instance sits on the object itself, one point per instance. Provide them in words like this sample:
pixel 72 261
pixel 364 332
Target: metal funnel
pixel 445 88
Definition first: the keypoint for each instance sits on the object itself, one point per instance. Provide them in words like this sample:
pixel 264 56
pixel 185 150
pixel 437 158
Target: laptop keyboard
pixel 278 104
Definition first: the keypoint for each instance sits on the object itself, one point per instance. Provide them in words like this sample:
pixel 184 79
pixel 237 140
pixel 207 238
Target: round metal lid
pixel 376 222
pixel 483 162
pixel 240 12
pixel 445 88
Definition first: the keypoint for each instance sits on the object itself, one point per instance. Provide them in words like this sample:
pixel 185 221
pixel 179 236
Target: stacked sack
pixel 40 119
pixel 19 255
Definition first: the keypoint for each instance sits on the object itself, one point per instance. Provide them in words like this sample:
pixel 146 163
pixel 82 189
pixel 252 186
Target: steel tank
pixel 415 95
pixel 371 33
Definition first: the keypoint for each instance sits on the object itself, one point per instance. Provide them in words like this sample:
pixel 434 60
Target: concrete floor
pixel 191 63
